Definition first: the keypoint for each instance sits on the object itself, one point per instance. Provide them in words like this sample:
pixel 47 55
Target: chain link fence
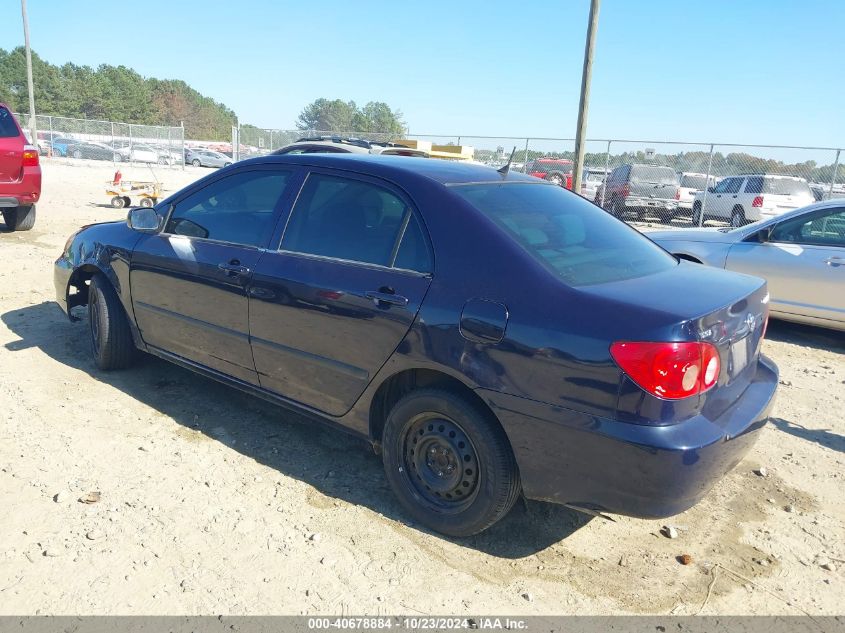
pixel 669 182
pixel 86 139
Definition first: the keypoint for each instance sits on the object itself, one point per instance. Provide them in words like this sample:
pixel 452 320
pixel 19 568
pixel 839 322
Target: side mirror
pixel 143 219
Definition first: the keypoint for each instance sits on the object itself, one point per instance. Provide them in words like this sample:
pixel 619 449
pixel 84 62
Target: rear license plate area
pixel 739 355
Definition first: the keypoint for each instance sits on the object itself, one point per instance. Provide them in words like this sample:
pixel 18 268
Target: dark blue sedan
pixel 491 334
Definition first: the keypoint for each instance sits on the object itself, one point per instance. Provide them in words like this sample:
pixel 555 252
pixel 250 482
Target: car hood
pixel 707 234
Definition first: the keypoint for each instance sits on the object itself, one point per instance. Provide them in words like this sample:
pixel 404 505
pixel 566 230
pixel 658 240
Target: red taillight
pixel 569 181
pixel 669 370
pixel 625 190
pixel 757 202
pixel 677 194
pixel 30 156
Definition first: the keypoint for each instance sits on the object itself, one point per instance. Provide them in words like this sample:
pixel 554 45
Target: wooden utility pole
pixel 584 104
pixel 32 127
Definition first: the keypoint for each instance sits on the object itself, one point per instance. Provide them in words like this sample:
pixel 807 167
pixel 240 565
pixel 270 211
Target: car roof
pixel 346 147
pixel 443 171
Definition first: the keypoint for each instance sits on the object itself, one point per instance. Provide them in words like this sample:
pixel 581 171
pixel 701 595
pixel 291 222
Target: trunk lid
pixel 690 303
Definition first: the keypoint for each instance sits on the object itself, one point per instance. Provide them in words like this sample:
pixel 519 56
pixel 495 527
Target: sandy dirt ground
pixel 213 502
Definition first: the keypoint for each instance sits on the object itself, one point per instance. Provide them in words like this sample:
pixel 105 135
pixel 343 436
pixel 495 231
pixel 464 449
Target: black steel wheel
pixel 449 462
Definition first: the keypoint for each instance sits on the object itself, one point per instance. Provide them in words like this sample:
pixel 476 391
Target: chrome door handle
pixel 834 261
pixel 234 268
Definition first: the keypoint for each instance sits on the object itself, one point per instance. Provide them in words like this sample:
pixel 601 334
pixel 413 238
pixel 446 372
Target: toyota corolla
pixel 491 334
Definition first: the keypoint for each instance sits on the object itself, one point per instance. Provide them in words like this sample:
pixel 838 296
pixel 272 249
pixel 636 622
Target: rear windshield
pixel 786 186
pixel 569 235
pixel 694 182
pixel 656 175
pixel 553 165
pixel 594 176
pixel 8 129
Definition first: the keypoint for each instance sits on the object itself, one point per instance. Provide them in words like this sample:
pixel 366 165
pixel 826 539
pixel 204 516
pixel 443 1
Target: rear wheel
pixel 118 202
pixel 19 218
pixel 617 210
pixel 77 153
pixel 449 463
pixel 738 217
pixel 162 160
pixel 696 214
pixel 111 338
pixel 146 202
pixel 196 162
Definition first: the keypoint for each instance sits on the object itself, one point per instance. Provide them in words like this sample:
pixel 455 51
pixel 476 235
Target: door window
pixel 238 208
pixel 732 185
pixel 345 219
pixel 823 229
pixel 414 253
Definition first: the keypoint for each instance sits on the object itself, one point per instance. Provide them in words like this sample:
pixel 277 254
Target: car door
pixel 718 200
pixel 329 307
pixel 188 282
pixel 804 263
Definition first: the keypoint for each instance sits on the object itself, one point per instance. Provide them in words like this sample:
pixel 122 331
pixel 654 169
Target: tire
pixel 696 215
pixel 77 153
pixel 111 338
pixel 226 164
pixel 555 179
pixel 196 162
pixel 118 158
pixel 738 217
pixel 162 160
pixel 19 218
pixel 449 463
pixel 146 202
pixel 118 202
pixel 127 201
pixel 615 210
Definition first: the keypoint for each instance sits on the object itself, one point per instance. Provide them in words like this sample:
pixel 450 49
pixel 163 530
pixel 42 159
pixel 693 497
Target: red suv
pixel 20 174
pixel 556 170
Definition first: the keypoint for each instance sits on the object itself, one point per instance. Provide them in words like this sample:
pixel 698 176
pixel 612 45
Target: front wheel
pixel 111 338
pixel 118 202
pixel 449 463
pixel 19 218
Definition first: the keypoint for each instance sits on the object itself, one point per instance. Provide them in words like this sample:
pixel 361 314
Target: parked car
pixel 641 189
pixel 800 253
pixel 591 180
pixel 94 151
pixel 59 145
pixel 751 197
pixel 690 184
pixel 574 367
pixel 557 171
pixel 209 158
pixel 20 174
pixel 340 145
pixel 141 153
pixel 823 191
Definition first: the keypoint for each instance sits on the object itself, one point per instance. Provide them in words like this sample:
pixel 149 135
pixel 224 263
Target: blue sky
pixel 755 71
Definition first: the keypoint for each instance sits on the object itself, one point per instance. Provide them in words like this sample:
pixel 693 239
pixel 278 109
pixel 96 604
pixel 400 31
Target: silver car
pixel 800 253
pixel 209 158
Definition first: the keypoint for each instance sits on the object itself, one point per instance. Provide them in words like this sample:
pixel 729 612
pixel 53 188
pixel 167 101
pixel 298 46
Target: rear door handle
pixel 234 268
pixel 380 298
pixel 834 261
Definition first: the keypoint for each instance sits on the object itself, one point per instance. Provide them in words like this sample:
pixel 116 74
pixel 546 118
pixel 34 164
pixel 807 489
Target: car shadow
pixel 295 446
pixel 822 437
pixel 806 335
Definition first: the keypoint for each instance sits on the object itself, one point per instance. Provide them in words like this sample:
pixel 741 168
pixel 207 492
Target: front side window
pixel 345 219
pixel 824 229
pixel 238 208
pixel 567 234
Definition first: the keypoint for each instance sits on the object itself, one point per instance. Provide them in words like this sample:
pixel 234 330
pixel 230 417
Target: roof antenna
pixel 504 170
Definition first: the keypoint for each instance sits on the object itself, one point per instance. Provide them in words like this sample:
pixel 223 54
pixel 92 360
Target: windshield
pixel 569 235
pixel 658 175
pixel 694 182
pixel 786 186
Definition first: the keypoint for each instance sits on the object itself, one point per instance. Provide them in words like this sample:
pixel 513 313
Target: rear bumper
pixel 632 202
pixel 25 191
pixel 636 470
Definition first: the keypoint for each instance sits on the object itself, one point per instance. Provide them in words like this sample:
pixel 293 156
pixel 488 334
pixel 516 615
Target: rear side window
pixel 414 253
pixel 345 219
pixel 8 129
pixel 569 235
pixel 786 187
pixel 754 185
pixel 237 209
pixel 656 175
